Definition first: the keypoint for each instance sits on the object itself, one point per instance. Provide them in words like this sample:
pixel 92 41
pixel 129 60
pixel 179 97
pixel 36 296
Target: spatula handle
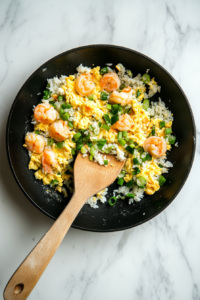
pixel 29 272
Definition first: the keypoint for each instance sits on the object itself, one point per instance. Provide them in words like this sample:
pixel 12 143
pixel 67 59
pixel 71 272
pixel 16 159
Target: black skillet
pixel 122 215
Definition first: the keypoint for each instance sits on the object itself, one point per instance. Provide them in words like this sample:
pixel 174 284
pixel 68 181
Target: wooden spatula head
pixel 91 177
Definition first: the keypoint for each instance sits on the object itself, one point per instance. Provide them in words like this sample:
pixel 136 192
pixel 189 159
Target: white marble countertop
pixel 157 260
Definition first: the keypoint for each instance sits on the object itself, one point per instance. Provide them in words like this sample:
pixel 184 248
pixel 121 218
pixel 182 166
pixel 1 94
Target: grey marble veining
pixel 157 260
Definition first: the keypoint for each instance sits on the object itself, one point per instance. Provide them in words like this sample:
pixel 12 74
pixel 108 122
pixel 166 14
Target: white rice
pixel 81 69
pixel 124 190
pixel 101 196
pixel 56 85
pixel 158 110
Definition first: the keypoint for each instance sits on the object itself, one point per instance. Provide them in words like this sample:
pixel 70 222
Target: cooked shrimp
pixel 156 146
pixel 59 130
pixel 45 113
pixel 125 123
pixel 84 84
pixel 123 98
pixel 110 82
pixel 34 142
pixel 49 161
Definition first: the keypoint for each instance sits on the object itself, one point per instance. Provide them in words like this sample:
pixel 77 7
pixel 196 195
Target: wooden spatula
pixel 89 179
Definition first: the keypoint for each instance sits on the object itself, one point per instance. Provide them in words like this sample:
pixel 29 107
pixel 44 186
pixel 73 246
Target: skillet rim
pixel 115 47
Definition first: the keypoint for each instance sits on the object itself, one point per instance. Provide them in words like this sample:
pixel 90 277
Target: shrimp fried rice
pixel 99 111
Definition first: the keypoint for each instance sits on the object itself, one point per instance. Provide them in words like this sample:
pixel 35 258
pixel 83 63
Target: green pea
pixel 60 98
pixel 146 78
pixel 104 70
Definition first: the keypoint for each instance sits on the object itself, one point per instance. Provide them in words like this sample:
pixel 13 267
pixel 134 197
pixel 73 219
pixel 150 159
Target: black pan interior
pixel 122 215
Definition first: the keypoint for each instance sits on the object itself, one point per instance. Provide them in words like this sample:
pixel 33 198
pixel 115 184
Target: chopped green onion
pixel 52 103
pixel 65 116
pixel 37 132
pixel 143 157
pixel 103 96
pixel 129 183
pixel 107 119
pixel 90 157
pixel 60 145
pixel 130 74
pixel 86 138
pixel 112 201
pixel 91 128
pixel 83 150
pixel 79 145
pixel 108 149
pixel 171 139
pixel 126 139
pixel 141 181
pixel 92 150
pixel 130 195
pixel 122 142
pixel 131 142
pixel 89 144
pixel 115 108
pixel 122 86
pixel 136 171
pixel 46 94
pixel 140 150
pixel 138 93
pixel 73 151
pixel 145 104
pixel 104 126
pixel 105 162
pixel 109 106
pixel 146 78
pixel 124 133
pixel 136 161
pixel 66 106
pixel 130 149
pixel 161 180
pixel 101 143
pixel 48 85
pixel 168 131
pixel 127 110
pixel 162 124
pixel 148 157
pixel 91 97
pixel 54 183
pixel 99 124
pixel 61 111
pixel 60 98
pixel 121 108
pixel 122 173
pixel 70 124
pixel 120 181
pixel 104 70
pixel 50 141
pixel 114 119
pixel 119 135
pixel 76 136
pixel 153 132
pixel 160 166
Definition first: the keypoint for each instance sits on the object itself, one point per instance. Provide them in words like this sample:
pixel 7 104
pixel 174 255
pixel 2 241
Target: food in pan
pixel 99 111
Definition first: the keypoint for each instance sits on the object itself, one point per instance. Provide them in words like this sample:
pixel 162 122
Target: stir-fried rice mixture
pixel 99 111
